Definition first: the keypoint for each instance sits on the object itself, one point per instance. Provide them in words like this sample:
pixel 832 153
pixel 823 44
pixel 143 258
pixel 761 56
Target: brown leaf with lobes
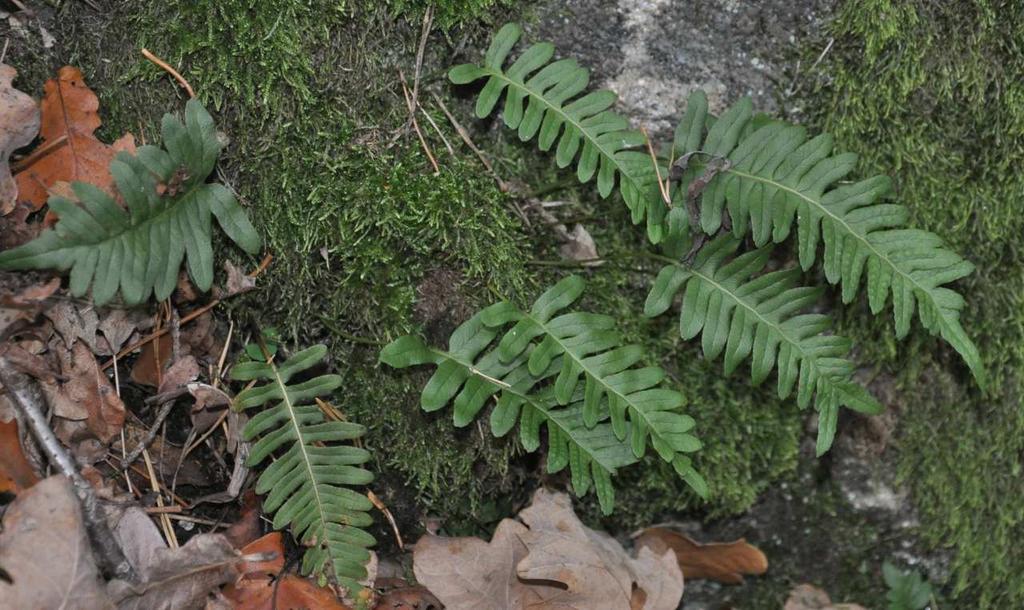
pixel 19 123
pixel 70 111
pixel 725 562
pixel 548 561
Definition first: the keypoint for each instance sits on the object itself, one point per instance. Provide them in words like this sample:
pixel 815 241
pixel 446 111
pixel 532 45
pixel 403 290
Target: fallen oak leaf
pixel 70 110
pixel 45 550
pixel 548 561
pixel 725 562
pixel 19 124
pixel 87 396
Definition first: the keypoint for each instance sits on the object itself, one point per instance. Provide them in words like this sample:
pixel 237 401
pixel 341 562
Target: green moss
pixel 927 92
pixel 447 13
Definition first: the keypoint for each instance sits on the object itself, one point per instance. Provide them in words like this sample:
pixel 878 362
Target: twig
pixel 165 410
pixel 163 331
pixel 440 134
pixel 25 396
pixel 167 68
pixel 416 124
pixel 469 142
pixel 428 17
pixel 172 540
pixel 387 515
pixel 662 186
pixel 22 164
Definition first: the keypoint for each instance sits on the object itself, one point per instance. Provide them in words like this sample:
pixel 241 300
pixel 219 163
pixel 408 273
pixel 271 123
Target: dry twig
pixel 167 68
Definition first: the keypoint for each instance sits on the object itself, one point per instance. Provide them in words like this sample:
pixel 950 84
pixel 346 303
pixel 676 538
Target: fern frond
pixel 745 317
pixel 468 380
pixel 543 100
pixel 307 484
pixel 776 172
pixel 140 250
pixel 591 348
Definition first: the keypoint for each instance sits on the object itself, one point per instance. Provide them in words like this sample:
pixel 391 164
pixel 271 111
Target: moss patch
pixel 927 92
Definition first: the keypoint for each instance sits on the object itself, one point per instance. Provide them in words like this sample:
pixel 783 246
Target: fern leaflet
pixel 745 317
pixel 308 482
pixel 775 173
pixel 542 100
pixel 140 250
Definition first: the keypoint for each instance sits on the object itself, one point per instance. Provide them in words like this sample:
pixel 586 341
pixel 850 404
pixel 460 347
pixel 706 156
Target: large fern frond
pixel 775 172
pixel 745 317
pixel 468 380
pixel 140 250
pixel 543 100
pixel 307 484
pixel 591 348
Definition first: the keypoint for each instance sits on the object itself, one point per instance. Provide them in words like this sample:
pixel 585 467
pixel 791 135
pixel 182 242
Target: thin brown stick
pixel 416 124
pixel 430 119
pixel 163 331
pixel 379 504
pixel 662 186
pixel 167 68
pixel 22 164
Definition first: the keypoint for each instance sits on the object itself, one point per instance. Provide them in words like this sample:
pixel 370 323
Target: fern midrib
pixel 862 238
pixel 527 398
pixel 579 361
pixel 604 152
pixel 804 356
pixel 305 455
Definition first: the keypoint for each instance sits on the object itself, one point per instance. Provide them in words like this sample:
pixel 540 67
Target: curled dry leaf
pixel 580 246
pixel 237 282
pixel 23 306
pixel 548 560
pixel 809 597
pixel 726 562
pixel 170 578
pixel 19 123
pixel 183 371
pixel 70 111
pixel 45 550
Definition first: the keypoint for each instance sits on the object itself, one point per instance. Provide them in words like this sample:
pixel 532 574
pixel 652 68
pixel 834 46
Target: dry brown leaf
pixel 25 305
pixel 255 589
pixel 809 597
pixel 170 578
pixel 726 562
pixel 86 396
pixel 237 282
pixel 548 561
pixel 45 550
pixel 580 246
pixel 186 369
pixel 19 124
pixel 70 109
pixel 149 367
pixel 16 473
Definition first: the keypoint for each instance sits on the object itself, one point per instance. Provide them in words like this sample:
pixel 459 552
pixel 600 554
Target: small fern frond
pixel 307 485
pixel 745 316
pixel 591 348
pixel 543 100
pixel 776 174
pixel 140 250
pixel 468 380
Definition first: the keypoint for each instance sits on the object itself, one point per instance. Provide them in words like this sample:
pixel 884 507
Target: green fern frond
pixel 307 484
pixel 537 383
pixel 776 174
pixel 590 347
pixel 543 100
pixel 745 317
pixel 140 250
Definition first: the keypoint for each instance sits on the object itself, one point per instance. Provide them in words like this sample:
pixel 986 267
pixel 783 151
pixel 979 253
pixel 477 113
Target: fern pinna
pixel 746 316
pixel 535 370
pixel 169 204
pixel 543 100
pixel 307 485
